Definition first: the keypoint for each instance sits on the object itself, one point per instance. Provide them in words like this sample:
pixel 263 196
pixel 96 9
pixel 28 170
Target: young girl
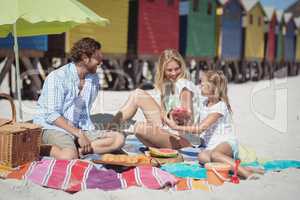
pixel 215 124
pixel 175 90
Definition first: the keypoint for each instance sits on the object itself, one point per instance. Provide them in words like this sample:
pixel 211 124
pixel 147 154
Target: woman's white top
pixel 172 100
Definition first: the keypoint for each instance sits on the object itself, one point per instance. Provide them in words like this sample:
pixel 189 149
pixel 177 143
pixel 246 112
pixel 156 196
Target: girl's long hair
pixel 168 55
pixel 218 81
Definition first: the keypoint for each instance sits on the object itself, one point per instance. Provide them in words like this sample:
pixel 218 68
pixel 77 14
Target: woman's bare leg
pixel 204 156
pixel 109 142
pixel 153 136
pixel 223 153
pixel 139 99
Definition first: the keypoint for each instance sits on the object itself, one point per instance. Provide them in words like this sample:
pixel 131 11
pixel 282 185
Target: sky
pixel 278 4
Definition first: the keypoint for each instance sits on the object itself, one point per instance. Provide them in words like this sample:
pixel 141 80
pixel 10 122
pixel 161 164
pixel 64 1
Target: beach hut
pixel 153 27
pixel 254 45
pixel 270 34
pixel 271 29
pixel 113 37
pixel 231 29
pixel 158 26
pixel 201 36
pixel 289 38
pixel 290 43
pixel 280 37
pixel 254 30
pixel 230 38
pixel 297 60
pixel 183 24
pixel 39 43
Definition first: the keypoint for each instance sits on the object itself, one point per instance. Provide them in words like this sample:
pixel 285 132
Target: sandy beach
pixel 266 117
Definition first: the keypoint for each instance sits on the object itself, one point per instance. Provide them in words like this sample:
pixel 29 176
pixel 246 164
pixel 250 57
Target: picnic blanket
pixel 4 171
pixel 76 175
pixel 192 184
pixel 186 170
pixel 196 171
pixel 274 165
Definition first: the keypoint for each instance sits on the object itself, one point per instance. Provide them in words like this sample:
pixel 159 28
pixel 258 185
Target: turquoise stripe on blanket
pixel 274 165
pixel 185 170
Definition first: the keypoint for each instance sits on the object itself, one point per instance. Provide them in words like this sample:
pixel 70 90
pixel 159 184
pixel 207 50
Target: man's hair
pixel 85 46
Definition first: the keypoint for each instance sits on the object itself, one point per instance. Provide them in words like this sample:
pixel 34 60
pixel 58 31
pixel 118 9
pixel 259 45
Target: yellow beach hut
pixel 254 30
pixel 113 37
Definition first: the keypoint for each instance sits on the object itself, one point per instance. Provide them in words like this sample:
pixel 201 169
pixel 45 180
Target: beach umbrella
pixel 38 17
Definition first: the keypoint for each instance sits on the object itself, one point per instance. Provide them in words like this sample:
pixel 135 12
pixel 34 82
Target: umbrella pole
pixel 16 49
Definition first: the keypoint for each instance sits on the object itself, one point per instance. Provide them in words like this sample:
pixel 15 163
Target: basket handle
pixel 12 105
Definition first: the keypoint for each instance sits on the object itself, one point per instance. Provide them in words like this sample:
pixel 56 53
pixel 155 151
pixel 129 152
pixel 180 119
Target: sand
pixel 266 117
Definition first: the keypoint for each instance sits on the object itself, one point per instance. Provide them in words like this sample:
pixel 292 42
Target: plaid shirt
pixel 60 97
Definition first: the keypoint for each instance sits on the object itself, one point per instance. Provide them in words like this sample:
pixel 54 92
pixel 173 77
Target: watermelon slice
pixel 180 113
pixel 163 152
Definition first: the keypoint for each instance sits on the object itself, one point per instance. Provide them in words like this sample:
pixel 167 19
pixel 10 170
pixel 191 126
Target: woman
pixel 175 91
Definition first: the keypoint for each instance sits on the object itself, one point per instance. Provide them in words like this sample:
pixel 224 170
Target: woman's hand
pixel 163 115
pixel 181 115
pixel 170 122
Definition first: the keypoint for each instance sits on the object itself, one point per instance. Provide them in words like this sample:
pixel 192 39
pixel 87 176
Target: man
pixel 65 103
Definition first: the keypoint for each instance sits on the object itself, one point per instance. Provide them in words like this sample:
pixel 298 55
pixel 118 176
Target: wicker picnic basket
pixel 19 142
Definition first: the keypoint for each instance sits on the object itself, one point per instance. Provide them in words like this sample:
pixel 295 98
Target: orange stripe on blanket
pixel 20 172
pixel 4 171
pixel 192 184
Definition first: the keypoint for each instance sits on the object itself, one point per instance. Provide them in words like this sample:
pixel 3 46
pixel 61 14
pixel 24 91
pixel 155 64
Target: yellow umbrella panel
pixel 44 16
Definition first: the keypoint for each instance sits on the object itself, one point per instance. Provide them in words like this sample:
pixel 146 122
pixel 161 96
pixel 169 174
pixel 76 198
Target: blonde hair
pixel 167 56
pixel 218 82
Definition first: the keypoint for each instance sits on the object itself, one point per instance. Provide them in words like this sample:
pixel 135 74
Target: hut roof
pixel 223 2
pixel 249 4
pixel 287 17
pixel 297 21
pixel 269 12
pixel 294 8
pixel 279 14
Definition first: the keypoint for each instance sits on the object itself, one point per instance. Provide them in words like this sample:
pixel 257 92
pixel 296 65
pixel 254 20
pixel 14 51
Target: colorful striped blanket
pixel 77 175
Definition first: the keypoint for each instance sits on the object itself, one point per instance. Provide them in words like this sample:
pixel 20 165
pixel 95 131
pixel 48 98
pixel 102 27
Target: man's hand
pixel 85 144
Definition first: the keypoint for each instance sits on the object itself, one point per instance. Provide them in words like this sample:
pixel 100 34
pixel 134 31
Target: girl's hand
pixel 181 115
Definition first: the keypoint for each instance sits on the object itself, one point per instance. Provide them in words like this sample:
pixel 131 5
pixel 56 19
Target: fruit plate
pixel 180 113
pixel 123 160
